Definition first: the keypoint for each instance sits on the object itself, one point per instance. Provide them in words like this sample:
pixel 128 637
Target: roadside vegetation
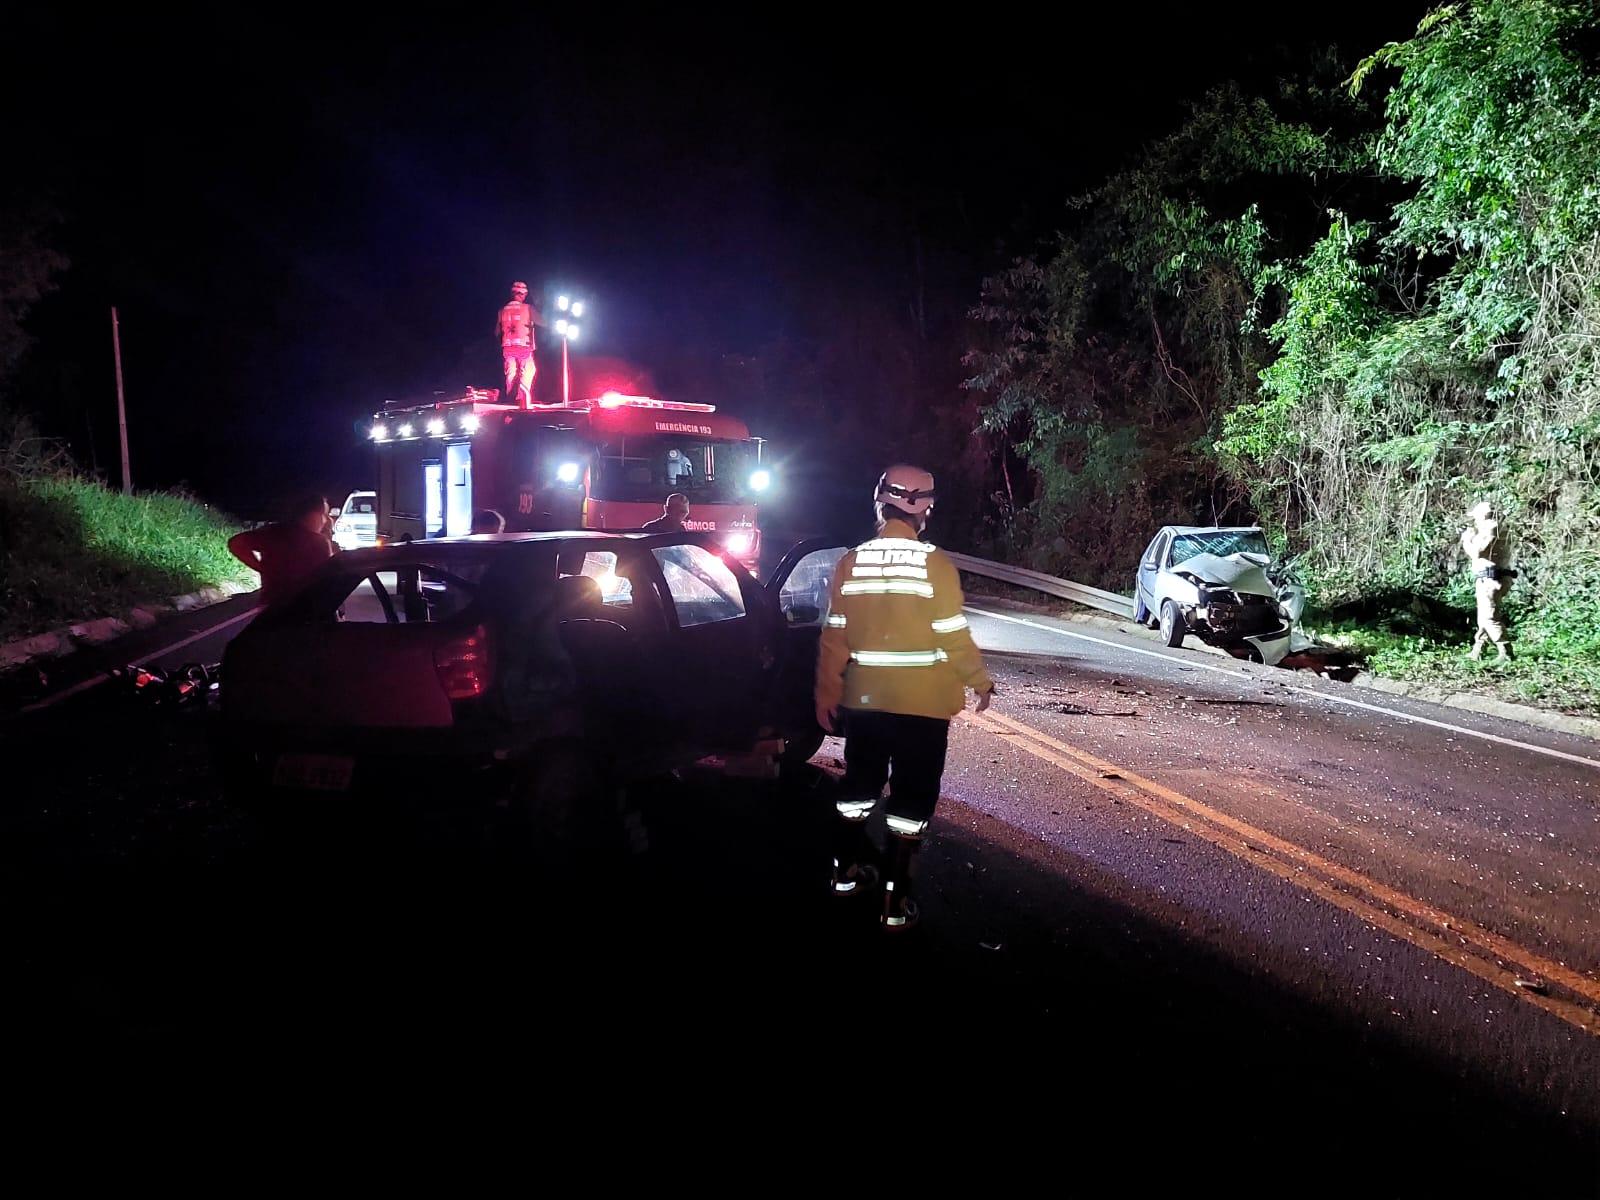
pixel 73 549
pixel 1348 310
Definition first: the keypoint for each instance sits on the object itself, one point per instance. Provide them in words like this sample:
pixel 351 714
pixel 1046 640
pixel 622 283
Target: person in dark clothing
pixel 487 520
pixel 536 674
pixel 673 514
pixel 287 553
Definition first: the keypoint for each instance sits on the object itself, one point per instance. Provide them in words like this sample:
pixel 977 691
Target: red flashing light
pixel 463 665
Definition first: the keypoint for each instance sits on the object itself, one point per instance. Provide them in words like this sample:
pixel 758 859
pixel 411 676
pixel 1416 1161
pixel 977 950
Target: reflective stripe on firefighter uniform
pixel 895 639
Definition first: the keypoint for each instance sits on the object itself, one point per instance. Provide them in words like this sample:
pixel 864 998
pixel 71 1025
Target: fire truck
pixel 604 463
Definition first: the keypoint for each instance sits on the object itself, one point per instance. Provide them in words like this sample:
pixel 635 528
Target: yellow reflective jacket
pixel 895 639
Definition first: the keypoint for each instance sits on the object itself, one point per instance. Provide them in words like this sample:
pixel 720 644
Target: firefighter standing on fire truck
pixel 894 665
pixel 514 327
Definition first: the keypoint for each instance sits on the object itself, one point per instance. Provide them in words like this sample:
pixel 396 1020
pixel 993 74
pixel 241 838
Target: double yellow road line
pixel 1558 989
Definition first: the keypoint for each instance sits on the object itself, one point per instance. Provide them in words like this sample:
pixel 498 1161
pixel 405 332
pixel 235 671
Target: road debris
pixel 190 684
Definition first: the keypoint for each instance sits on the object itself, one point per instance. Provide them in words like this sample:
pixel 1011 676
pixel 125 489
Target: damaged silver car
pixel 1219 583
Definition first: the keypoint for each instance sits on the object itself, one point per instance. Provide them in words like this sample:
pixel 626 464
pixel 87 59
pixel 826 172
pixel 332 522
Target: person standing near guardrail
pixel 894 665
pixel 1486 559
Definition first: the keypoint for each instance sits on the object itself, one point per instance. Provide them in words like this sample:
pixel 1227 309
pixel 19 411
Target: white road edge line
pixel 1238 674
pixel 96 680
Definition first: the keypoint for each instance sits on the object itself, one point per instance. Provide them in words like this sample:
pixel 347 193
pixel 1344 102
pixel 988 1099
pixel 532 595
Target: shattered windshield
pixel 1222 543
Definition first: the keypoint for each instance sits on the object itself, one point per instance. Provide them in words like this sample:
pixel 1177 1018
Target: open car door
pixel 799 589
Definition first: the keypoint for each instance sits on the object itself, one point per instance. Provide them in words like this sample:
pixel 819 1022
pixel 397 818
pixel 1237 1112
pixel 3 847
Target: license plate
pixel 314 772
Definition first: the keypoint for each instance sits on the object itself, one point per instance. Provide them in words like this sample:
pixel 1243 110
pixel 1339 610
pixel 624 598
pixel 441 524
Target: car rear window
pixel 405 593
pixel 420 595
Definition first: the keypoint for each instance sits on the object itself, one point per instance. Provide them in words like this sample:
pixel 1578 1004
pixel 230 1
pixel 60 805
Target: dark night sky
pixel 299 218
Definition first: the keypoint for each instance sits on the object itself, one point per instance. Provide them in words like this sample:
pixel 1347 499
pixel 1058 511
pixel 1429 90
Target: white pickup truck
pixel 357 523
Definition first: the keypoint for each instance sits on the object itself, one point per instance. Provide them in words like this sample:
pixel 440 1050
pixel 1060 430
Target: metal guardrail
pixel 1078 593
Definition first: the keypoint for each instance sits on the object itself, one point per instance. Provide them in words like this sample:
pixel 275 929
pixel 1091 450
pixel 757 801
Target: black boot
pixel 851 875
pixel 899 909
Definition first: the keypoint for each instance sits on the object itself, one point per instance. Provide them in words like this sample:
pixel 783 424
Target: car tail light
pixel 463 665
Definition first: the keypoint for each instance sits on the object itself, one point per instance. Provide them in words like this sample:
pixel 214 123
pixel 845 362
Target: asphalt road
pixel 1180 916
pixel 1429 872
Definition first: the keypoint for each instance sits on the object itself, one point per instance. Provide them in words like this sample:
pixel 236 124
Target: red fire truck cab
pixel 605 463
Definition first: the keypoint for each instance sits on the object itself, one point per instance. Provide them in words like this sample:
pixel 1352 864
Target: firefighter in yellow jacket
pixel 894 665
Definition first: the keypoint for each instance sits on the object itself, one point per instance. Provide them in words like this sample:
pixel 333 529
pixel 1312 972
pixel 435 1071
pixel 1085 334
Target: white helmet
pixel 907 488
pixel 1481 511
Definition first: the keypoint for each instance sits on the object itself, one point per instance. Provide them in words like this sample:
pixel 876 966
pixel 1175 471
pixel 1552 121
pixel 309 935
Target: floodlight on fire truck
pixel 436 427
pixel 469 422
pixel 618 400
pixel 577 308
pixel 380 433
pixel 572 331
pixel 561 327
pixel 760 481
pixel 568 472
pixel 405 430
pixel 563 303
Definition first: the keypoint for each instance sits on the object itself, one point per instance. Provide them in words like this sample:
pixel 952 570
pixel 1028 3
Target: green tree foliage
pixel 1109 360
pixel 1445 349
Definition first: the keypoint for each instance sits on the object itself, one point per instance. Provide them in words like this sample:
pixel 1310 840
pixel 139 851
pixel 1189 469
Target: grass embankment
pixel 72 549
pixel 1556 665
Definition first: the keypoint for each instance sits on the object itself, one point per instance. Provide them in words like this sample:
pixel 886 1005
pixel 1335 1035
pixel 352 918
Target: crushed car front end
pixel 1232 601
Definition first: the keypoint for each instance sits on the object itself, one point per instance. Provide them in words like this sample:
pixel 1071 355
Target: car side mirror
pixel 333 513
pixel 804 614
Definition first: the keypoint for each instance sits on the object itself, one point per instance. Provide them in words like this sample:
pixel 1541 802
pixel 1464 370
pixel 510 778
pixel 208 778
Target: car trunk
pixel 344 676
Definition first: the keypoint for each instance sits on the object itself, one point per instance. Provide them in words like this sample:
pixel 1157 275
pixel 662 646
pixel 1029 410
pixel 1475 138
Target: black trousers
pixel 905 752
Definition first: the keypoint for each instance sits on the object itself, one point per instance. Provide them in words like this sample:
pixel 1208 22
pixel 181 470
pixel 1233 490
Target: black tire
pixel 1172 625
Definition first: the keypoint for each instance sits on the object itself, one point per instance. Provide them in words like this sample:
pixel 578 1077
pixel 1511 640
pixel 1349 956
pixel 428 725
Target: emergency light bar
pixel 469 420
pixel 618 400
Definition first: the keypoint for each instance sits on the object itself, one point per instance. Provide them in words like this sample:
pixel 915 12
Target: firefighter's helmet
pixel 907 488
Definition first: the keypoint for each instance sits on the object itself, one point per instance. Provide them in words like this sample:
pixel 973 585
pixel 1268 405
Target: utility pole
pixel 122 408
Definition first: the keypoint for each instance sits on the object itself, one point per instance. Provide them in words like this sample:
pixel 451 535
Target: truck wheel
pixel 1172 626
